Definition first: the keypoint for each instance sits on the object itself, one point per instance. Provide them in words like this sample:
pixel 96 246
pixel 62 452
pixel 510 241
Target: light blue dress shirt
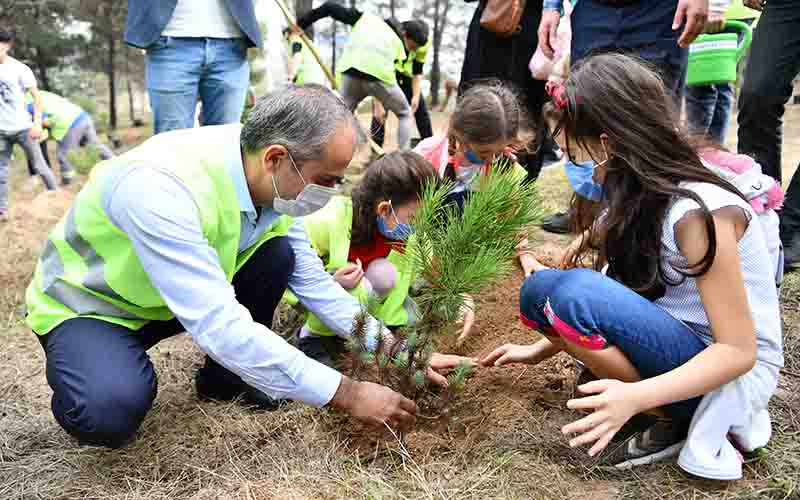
pixel 158 213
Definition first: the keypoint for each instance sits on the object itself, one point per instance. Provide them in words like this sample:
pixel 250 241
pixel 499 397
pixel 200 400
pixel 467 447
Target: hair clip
pixel 558 93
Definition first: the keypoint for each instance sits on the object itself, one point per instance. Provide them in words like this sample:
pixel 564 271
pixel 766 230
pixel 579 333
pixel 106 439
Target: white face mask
pixel 311 198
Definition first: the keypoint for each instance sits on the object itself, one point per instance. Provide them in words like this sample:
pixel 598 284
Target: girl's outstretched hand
pixel 613 404
pixel 510 353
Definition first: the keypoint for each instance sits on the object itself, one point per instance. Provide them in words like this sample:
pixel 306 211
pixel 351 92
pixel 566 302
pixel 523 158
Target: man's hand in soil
pixel 548 28
pixel 375 404
pixel 694 14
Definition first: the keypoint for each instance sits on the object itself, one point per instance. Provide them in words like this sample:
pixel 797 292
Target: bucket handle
pixel 748 35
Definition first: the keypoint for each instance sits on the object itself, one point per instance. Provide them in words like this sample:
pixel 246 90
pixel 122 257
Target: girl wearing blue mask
pixel 683 330
pixel 361 240
pixel 487 125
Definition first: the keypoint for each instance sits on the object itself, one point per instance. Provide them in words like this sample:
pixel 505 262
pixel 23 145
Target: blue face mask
pixel 401 230
pixel 580 176
pixel 472 157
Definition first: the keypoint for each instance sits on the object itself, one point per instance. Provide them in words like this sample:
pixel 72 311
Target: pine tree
pixel 458 254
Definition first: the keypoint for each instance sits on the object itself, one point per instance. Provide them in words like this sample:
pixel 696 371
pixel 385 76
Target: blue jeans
pixel 593 311
pixel 708 108
pixel 179 70
pixel 34 156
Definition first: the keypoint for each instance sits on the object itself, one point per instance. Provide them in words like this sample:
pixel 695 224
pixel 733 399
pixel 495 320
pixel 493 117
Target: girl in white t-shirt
pixel 683 330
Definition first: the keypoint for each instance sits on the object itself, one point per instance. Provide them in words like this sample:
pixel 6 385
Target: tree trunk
pixel 130 101
pixel 440 11
pixel 112 79
pixel 41 66
pixel 333 47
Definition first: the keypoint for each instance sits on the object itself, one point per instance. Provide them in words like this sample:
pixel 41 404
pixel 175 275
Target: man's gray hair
pixel 302 119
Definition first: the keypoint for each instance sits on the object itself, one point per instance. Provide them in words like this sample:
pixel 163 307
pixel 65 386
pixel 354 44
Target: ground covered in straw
pixel 502 441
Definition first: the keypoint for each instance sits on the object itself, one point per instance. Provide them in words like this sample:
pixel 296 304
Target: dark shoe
pixel 557 223
pixel 660 441
pixel 326 350
pixel 791 254
pixel 67 178
pixel 214 382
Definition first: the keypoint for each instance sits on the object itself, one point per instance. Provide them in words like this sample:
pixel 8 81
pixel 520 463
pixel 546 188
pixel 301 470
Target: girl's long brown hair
pixel 650 156
pixel 399 177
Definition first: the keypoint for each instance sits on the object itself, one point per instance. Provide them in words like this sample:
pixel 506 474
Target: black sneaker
pixel 327 350
pixel 660 441
pixel 214 382
pixel 556 223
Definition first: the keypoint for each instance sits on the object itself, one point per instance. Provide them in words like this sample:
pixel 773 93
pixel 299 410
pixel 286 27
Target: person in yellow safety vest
pixel 72 128
pixel 362 239
pixel 409 75
pixel 192 231
pixel 367 64
pixel 302 68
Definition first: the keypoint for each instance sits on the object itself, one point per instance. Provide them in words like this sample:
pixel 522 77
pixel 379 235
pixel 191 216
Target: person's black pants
pixel 790 214
pixel 421 115
pixel 102 378
pixel 773 63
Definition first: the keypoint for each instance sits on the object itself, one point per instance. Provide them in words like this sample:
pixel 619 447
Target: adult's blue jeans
pixel 708 108
pixel 179 71
pixel 590 310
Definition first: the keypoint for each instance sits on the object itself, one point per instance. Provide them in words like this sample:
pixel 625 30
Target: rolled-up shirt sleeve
pixel 167 236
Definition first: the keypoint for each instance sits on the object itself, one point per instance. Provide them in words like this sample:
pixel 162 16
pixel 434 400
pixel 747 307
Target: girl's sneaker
pixel 4 216
pixel 660 441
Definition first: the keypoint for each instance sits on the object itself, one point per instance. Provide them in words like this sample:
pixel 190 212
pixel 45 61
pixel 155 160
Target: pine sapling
pixel 459 254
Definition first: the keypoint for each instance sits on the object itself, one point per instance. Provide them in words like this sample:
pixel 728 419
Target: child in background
pixel 684 329
pixel 362 239
pixel 16 126
pixel 487 125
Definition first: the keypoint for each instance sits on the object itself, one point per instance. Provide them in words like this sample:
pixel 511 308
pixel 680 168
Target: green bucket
pixel 713 57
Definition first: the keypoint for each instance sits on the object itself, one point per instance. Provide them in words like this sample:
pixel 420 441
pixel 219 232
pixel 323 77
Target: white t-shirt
pixel 15 80
pixel 736 410
pixel 202 18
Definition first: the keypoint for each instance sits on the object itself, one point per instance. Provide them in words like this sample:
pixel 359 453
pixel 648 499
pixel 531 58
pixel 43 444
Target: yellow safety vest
pixel 89 267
